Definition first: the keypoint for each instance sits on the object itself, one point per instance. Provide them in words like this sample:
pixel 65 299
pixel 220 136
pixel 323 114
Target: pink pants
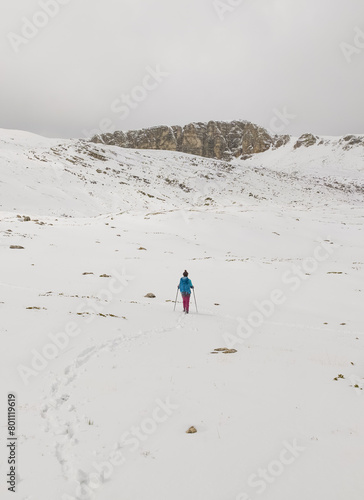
pixel 186 301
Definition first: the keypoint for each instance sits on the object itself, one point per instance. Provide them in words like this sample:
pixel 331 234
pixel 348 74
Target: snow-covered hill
pixel 108 381
pixel 47 176
pixel 340 158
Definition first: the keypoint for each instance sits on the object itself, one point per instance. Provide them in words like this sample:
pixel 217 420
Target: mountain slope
pixel 80 178
pixel 340 158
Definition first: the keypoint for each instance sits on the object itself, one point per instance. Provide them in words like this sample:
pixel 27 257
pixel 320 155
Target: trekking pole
pixel 175 302
pixel 195 299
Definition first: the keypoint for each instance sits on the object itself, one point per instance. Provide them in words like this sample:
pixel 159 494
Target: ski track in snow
pixel 65 432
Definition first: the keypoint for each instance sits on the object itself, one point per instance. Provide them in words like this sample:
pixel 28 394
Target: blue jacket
pixel 185 285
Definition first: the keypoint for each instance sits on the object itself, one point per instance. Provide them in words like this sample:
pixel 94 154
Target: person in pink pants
pixel 186 302
pixel 185 286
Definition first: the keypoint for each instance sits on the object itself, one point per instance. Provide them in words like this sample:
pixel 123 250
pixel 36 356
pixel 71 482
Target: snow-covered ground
pixel 108 381
pixel 331 157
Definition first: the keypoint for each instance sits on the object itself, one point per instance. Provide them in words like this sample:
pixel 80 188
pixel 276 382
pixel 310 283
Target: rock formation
pixel 306 140
pixel 215 139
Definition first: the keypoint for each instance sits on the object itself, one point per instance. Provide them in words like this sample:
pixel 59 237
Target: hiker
pixel 185 285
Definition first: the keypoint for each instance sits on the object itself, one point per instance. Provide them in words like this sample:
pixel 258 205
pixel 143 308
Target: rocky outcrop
pixel 306 140
pixel 215 139
pixel 351 141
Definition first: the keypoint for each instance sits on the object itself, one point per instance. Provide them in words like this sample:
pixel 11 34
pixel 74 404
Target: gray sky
pixel 125 64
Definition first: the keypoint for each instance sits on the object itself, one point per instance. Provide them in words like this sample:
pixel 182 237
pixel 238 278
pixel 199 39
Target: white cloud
pixel 265 55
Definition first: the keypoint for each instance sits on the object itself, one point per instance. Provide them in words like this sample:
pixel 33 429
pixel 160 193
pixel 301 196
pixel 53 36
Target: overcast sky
pixel 292 66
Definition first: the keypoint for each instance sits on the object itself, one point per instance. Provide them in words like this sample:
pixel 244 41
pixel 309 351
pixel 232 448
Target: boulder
pixel 191 430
